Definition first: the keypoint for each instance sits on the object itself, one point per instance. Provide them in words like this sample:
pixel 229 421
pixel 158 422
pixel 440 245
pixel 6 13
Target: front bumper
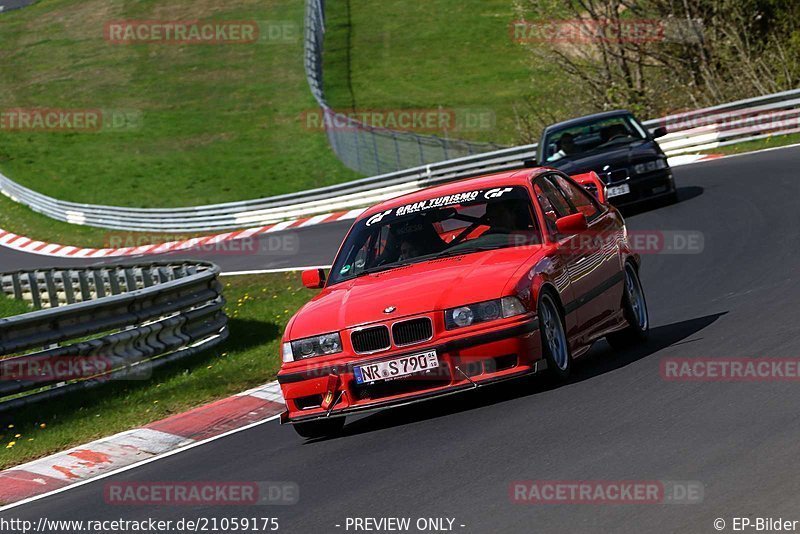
pixel 465 362
pixel 649 186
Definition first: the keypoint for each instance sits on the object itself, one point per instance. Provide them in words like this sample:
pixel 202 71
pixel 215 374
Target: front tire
pixel 634 306
pixel 322 428
pixel 554 339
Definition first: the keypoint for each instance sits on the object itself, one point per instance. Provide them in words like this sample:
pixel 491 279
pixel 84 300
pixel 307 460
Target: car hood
pixel 617 157
pixel 415 289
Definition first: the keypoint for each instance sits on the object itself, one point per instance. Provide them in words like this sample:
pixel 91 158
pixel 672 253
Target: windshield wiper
pixel 381 268
pixel 466 250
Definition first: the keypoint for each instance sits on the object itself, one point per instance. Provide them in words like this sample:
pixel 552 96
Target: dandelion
pixel 10 426
pixel 18 436
pixel 43 425
pixel 11 444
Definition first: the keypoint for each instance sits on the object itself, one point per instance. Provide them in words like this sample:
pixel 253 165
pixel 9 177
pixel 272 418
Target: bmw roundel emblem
pixel 390 309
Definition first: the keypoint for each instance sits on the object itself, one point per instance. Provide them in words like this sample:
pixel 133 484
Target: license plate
pixel 390 369
pixel 618 190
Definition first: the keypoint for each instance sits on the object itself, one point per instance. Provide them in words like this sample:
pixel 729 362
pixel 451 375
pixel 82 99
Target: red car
pixel 457 286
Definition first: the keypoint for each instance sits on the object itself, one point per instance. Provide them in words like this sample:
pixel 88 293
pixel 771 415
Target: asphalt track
pixel 616 419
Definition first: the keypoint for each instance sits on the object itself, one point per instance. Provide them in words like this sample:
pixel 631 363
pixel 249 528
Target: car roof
pixel 515 177
pixel 587 118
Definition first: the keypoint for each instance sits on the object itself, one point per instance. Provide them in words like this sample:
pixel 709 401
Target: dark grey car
pixel 618 148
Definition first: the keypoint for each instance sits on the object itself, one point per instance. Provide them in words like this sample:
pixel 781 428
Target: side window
pixel 579 198
pixel 552 201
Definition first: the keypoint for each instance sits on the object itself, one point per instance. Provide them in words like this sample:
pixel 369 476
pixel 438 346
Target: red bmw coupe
pixel 457 286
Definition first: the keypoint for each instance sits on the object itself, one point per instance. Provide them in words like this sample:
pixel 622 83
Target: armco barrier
pixel 705 129
pixel 104 323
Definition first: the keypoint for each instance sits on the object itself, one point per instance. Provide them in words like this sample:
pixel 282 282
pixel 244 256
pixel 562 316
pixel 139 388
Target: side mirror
pixel 572 224
pixel 314 278
pixel 659 132
pixel 592 183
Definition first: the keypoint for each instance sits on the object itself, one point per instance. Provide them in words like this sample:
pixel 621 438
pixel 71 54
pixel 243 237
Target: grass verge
pixel 206 122
pixel 10 307
pixel 20 219
pixel 761 144
pixel 457 55
pixel 259 308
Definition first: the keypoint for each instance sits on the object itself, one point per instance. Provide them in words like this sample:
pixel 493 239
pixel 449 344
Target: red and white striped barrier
pixel 25 244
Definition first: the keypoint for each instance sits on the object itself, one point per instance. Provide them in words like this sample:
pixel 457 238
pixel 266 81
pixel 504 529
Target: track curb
pixel 106 455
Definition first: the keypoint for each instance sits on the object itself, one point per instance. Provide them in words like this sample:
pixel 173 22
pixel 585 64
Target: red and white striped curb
pixel 687 159
pixel 127 448
pixel 24 244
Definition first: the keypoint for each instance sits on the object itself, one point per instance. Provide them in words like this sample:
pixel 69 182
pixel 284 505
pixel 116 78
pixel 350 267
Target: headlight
pixel 481 312
pixel 312 346
pixel 650 166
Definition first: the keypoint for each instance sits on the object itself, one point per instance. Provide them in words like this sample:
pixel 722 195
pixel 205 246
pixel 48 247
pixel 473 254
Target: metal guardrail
pixel 104 323
pixel 361 147
pixel 261 212
pixel 692 131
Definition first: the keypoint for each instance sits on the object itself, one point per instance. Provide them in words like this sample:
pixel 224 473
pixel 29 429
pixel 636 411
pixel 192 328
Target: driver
pixel 408 250
pixel 500 218
pixel 566 146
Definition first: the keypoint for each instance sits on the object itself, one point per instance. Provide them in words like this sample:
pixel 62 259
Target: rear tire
pixel 320 429
pixel 555 346
pixel 634 306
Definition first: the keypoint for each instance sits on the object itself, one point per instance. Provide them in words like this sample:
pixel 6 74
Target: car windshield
pixel 460 223
pixel 591 136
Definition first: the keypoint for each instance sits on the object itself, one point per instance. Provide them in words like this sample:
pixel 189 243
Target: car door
pixel 554 206
pixel 592 256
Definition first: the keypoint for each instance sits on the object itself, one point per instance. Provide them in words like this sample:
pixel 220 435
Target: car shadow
pixel 684 194
pixel 600 360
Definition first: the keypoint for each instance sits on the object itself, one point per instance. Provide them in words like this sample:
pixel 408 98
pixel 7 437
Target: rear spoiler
pixel 592 183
